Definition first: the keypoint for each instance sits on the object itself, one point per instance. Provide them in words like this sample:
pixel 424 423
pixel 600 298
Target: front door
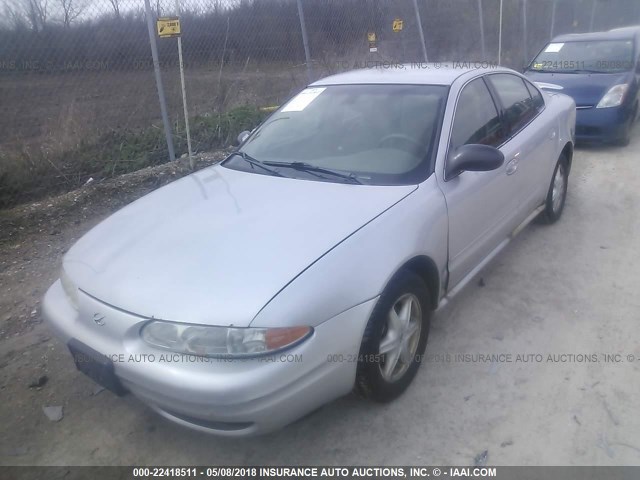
pixel 482 206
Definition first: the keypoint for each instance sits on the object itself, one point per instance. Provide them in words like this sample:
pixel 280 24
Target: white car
pixel 244 296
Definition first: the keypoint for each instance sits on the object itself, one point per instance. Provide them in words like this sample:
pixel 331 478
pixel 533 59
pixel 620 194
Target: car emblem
pixel 99 319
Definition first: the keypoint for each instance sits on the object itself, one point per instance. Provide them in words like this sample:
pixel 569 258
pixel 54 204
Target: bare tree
pixel 14 15
pixel 39 13
pixel 115 4
pixel 35 13
pixel 71 9
pixel 215 7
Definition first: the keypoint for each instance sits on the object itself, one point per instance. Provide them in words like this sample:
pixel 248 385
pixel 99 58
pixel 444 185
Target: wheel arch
pixel 426 269
pixel 567 151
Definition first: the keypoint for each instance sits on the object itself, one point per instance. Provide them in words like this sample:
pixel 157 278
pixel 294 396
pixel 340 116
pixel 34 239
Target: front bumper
pixel 602 124
pixel 232 398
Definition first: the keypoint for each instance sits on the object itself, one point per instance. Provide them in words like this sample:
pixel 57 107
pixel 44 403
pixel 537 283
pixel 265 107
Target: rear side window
pixel 518 105
pixel 476 119
pixel 538 101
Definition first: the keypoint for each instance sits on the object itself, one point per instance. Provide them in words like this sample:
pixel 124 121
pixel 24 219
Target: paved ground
pixel 566 289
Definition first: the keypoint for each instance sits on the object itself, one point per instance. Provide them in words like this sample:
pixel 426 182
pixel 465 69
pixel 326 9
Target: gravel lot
pixel 566 289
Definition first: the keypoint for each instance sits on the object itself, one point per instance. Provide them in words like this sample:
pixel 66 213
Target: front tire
pixel 395 339
pixel 626 136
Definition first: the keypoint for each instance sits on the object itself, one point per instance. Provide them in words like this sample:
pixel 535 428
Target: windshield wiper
pixel 307 167
pixel 256 163
pixel 586 70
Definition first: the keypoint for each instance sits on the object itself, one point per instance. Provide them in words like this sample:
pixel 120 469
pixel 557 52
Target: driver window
pixel 476 119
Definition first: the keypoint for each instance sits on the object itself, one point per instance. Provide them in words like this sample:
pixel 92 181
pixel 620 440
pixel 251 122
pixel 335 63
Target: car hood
pixel 216 246
pixel 586 89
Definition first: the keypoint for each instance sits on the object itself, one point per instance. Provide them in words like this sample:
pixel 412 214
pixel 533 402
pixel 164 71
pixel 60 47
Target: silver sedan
pixel 309 262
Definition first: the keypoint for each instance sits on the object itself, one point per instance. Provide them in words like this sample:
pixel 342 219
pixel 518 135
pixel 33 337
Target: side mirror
pixel 473 158
pixel 242 136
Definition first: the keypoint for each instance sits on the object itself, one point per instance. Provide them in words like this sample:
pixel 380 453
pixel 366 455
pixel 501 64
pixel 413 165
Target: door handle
pixel 512 166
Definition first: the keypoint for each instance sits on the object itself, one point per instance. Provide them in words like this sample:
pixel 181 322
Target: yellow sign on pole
pixel 371 38
pixel 398 25
pixel 168 27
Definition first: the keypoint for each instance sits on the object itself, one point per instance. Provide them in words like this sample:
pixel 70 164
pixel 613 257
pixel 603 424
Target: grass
pixel 28 176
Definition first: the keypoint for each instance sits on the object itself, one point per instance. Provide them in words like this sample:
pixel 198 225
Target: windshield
pixel 601 56
pixel 379 134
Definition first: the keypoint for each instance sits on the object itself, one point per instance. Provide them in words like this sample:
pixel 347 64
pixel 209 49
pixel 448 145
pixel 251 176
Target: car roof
pixel 408 74
pixel 632 29
pixel 626 33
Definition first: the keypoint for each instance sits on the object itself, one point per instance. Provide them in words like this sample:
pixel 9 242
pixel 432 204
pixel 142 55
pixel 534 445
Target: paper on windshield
pixel 303 99
pixel 554 47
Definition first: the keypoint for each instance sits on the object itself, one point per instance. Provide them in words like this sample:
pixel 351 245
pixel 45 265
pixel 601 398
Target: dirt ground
pixel 566 292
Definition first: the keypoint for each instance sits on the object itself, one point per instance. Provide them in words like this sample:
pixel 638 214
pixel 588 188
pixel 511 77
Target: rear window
pixel 538 101
pixel 593 56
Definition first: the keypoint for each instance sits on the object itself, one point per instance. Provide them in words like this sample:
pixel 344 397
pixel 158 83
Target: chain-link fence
pixel 78 96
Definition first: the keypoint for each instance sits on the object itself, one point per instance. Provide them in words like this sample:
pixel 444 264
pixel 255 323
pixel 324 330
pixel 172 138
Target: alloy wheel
pixel 559 187
pixel 400 337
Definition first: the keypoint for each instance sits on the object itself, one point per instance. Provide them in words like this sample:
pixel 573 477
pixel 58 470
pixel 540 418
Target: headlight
pixel 614 96
pixel 207 341
pixel 69 288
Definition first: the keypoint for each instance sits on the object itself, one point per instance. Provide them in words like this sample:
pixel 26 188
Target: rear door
pixel 531 137
pixel 482 206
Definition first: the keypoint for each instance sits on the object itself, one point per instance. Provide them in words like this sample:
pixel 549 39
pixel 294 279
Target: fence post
pixel 184 94
pixel 420 32
pixel 593 15
pixel 156 68
pixel 553 18
pixel 500 36
pixel 305 42
pixel 481 19
pixel 524 32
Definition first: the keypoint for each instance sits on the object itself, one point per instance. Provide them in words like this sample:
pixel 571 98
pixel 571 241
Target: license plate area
pixel 95 366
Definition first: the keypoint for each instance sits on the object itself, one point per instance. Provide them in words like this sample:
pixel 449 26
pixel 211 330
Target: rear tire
pixel 395 339
pixel 557 194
